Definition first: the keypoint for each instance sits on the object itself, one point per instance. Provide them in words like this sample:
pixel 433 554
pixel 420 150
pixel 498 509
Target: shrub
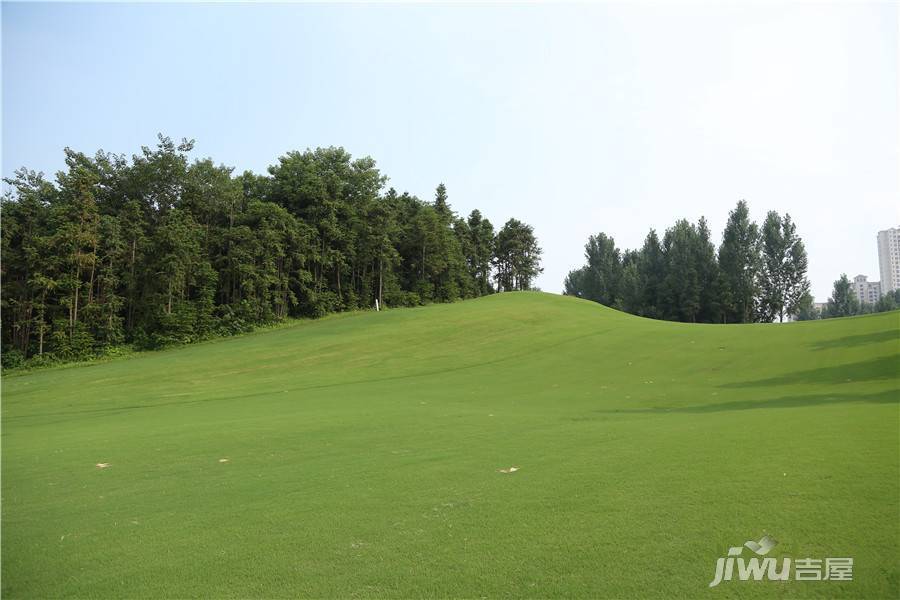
pixel 12 359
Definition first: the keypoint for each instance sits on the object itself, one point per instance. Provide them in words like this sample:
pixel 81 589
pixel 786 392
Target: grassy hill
pixel 359 455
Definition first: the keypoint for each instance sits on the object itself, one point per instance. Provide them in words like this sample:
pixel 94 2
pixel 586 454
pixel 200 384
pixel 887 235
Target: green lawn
pixel 363 453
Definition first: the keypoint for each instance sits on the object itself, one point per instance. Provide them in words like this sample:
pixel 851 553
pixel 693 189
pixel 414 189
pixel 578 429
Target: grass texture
pixel 360 456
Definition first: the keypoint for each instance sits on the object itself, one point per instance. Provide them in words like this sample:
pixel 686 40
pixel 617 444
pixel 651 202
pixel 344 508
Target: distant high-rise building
pixel 867 292
pixel 889 259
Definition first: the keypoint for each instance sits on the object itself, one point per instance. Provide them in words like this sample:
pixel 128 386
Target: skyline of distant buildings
pixel 889 259
pixel 868 292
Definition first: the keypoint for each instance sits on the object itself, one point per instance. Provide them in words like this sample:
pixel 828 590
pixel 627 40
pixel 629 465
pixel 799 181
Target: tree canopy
pixel 159 249
pixel 752 276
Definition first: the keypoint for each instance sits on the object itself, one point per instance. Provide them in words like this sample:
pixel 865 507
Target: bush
pixel 142 340
pixel 321 303
pixel 425 291
pixel 12 359
pixel 42 360
pixel 71 343
pixel 232 321
pixel 115 351
pixel 399 298
pixel 176 327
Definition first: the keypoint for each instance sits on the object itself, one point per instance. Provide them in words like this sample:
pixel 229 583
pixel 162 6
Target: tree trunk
pixel 75 306
pixel 132 287
pixel 380 280
pixel 93 268
pixel 26 331
pixel 41 326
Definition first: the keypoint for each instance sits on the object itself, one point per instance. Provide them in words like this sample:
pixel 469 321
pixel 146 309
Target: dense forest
pixel 159 250
pixel 758 273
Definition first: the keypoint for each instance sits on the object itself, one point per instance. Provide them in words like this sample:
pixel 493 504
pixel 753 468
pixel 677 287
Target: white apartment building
pixel 889 259
pixel 867 292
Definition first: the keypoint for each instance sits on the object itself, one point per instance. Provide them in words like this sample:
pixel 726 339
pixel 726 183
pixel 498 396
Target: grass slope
pixel 363 455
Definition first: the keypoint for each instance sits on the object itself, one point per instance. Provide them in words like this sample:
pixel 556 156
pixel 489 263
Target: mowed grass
pixel 363 455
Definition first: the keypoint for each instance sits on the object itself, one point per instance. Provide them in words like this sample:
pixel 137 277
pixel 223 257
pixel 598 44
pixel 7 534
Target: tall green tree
pixel 843 302
pixel 599 279
pixel 711 288
pixel 631 284
pixel 77 223
pixel 682 284
pixel 441 205
pixel 481 248
pixel 651 275
pixel 451 278
pixel 782 279
pixel 29 266
pixel 806 309
pixel 517 256
pixel 739 264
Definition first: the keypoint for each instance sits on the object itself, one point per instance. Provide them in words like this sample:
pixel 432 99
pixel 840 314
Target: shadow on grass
pixel 878 369
pixel 114 410
pixel 885 397
pixel 859 340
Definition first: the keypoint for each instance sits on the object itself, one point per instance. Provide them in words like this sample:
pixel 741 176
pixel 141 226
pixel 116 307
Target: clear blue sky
pixel 576 119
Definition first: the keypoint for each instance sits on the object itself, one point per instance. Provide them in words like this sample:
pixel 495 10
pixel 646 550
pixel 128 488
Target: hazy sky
pixel 576 119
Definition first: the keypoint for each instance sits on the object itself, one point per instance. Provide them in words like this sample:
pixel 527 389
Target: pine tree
pixel 651 269
pixel 710 281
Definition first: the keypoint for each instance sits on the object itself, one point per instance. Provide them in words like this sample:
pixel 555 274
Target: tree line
pixel 844 302
pixel 159 250
pixel 757 274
